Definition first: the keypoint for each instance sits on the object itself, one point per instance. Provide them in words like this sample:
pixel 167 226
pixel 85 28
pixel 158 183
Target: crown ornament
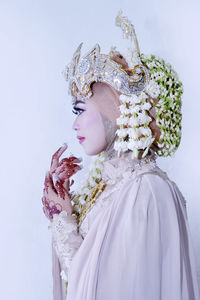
pixel 98 67
pixel 128 31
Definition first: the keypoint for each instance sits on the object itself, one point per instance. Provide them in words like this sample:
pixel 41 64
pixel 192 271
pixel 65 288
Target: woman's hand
pixel 56 196
pixel 63 170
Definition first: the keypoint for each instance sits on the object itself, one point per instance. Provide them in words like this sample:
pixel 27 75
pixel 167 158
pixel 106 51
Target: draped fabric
pixel 137 242
pixel 57 282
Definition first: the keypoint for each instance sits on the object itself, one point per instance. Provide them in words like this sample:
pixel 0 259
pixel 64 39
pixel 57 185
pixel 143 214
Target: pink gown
pixel 134 243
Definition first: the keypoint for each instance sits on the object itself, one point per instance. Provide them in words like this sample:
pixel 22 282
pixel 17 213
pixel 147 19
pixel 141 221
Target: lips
pixel 81 139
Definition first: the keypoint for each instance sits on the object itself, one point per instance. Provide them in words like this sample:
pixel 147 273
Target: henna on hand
pixel 50 208
pixel 56 196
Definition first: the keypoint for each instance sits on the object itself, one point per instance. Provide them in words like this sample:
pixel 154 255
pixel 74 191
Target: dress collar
pixel 119 167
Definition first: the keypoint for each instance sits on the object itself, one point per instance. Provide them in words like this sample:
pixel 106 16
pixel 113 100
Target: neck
pixel 111 137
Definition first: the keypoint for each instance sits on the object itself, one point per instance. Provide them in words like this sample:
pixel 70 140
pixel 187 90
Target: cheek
pixel 92 127
pixel 92 119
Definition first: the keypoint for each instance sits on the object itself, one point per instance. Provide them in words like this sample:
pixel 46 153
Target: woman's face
pixel 89 126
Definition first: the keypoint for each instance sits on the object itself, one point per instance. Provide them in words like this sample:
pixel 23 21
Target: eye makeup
pixel 77 110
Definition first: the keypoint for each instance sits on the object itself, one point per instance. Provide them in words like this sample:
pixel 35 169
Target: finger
pixel 70 160
pixel 66 185
pixel 65 168
pixel 55 178
pixel 68 173
pixel 51 187
pixel 59 184
pixel 60 190
pixel 56 156
pixel 63 172
pixel 47 182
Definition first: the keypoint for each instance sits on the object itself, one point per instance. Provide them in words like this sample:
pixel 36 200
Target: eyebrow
pixel 78 101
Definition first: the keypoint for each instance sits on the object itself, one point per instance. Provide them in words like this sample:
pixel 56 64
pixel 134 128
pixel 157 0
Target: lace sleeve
pixel 65 239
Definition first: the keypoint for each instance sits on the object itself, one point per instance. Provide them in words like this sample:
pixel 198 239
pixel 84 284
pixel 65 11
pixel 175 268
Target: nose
pixel 75 125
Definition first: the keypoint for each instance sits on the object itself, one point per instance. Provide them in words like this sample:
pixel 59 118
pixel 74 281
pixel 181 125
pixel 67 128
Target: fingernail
pixel 80 158
pixel 81 166
pixel 64 144
pixel 55 178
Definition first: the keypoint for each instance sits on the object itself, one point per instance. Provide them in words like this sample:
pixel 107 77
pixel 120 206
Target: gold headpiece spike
pixel 70 69
pixel 76 56
pixel 127 29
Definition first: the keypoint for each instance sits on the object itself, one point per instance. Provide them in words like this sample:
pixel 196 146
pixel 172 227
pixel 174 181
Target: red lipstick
pixel 81 139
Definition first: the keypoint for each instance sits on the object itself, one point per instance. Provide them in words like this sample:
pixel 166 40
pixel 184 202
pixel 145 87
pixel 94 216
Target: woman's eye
pixel 77 111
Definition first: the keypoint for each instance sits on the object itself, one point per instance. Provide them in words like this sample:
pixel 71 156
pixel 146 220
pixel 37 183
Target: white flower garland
pixel 92 179
pixel 164 85
pixel 134 133
pixel 168 106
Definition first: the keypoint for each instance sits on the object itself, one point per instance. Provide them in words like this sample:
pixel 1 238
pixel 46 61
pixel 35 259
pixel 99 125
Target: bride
pixel 125 233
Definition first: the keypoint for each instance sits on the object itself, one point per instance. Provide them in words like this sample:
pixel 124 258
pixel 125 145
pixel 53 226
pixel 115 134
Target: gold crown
pixel 98 67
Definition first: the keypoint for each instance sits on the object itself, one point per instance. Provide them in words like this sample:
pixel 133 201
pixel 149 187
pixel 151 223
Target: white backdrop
pixel 37 39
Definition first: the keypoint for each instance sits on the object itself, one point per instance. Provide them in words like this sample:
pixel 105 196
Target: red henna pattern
pixel 69 160
pixel 46 183
pixel 60 190
pixel 50 208
pixel 55 156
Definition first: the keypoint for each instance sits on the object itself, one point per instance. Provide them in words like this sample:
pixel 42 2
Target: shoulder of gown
pixel 139 247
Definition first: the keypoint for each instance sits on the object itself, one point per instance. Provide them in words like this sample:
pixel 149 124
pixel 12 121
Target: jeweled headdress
pixel 94 67
pixel 148 82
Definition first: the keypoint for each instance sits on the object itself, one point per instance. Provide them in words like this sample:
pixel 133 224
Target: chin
pixel 90 152
pixel 94 151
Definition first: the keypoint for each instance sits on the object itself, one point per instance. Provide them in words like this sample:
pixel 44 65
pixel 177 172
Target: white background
pixel 37 39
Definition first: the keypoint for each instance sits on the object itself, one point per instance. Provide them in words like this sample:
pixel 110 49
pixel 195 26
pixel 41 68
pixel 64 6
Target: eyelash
pixel 77 111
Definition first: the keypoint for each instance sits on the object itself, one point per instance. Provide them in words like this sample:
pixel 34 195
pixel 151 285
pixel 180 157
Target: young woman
pixel 125 234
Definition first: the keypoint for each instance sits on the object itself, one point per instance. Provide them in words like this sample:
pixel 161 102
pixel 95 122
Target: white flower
pixel 133 133
pixel 135 99
pixel 125 99
pixel 142 96
pixel 170 82
pixel 124 109
pixel 159 75
pixel 146 106
pixel 153 89
pixel 122 132
pixel 82 200
pixel 120 146
pixel 147 56
pixel 131 144
pixel 122 120
pixel 134 121
pixel 145 131
pixel 134 109
pixel 142 143
pixel 144 118
pixel 164 92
